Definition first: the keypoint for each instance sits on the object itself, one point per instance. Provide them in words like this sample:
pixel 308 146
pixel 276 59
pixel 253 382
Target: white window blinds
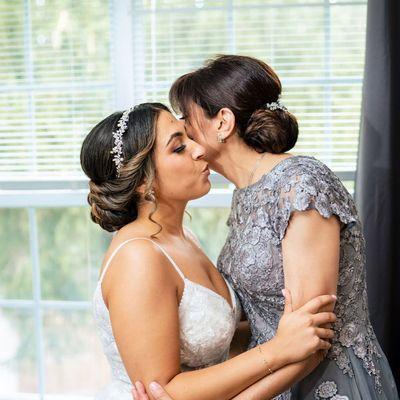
pixel 64 65
pixel 56 82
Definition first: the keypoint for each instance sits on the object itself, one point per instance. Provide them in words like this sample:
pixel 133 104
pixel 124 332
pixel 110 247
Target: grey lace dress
pixel 251 260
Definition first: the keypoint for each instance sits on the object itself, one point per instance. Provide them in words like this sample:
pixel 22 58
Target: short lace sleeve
pixel 309 184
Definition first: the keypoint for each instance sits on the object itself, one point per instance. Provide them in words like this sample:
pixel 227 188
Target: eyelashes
pixel 180 148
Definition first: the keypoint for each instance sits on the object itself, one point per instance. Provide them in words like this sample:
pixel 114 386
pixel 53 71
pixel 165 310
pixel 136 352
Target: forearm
pixel 226 380
pixel 281 380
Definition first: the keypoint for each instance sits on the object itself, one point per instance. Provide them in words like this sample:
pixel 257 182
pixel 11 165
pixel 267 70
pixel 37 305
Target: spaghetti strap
pixel 140 238
pixel 178 270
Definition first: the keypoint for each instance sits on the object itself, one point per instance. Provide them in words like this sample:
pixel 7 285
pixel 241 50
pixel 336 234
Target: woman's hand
pixel 299 332
pixel 139 392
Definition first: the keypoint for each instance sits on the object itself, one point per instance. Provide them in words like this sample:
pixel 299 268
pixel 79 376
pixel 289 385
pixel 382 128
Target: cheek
pixel 204 139
pixel 205 134
pixel 174 170
pixel 211 146
pixel 207 140
pixel 181 180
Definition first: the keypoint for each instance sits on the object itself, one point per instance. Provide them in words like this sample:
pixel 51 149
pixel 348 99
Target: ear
pixel 226 122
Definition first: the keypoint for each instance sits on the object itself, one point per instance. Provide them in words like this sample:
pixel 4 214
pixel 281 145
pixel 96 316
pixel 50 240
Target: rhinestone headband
pixel 117 135
pixel 275 105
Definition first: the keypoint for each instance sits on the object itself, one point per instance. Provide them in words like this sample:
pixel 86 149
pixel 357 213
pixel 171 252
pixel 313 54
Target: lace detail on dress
pixel 252 256
pixel 207 326
pixel 316 187
pixel 328 390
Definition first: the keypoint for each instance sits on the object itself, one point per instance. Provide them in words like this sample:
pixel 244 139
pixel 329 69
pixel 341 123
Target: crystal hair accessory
pixel 117 135
pixel 275 105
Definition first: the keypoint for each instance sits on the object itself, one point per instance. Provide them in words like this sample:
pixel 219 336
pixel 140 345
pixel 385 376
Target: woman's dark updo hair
pixel 244 85
pixel 114 198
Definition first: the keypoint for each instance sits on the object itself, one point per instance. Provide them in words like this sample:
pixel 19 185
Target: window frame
pixel 71 192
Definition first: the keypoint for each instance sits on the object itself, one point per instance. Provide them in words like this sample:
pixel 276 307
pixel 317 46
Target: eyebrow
pixel 173 136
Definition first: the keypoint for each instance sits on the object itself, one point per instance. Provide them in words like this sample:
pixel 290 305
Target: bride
pixel 163 310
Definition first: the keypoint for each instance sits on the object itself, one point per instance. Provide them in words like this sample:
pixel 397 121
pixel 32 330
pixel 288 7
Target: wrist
pixel 274 354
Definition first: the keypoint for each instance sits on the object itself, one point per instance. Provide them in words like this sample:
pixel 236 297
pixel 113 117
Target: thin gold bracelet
pixel 264 360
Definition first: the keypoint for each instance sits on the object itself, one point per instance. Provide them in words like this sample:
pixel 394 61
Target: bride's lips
pixel 206 170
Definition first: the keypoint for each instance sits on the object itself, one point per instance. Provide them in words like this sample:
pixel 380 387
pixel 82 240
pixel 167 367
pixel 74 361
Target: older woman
pixel 292 224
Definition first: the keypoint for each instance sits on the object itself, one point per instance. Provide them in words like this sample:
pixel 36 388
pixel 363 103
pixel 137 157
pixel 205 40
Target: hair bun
pixel 111 208
pixel 273 131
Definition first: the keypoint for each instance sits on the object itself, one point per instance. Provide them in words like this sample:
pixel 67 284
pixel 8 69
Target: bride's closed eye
pixel 180 148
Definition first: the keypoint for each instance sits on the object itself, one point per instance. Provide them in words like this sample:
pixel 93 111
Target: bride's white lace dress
pixel 207 324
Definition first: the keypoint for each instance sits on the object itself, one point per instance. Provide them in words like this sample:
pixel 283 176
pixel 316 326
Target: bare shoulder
pixel 139 265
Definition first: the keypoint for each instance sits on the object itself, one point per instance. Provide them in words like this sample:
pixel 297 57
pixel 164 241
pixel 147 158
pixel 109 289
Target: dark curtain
pixel 377 189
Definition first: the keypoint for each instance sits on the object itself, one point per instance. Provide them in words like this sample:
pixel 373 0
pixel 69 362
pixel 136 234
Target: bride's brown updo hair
pixel 114 198
pixel 244 85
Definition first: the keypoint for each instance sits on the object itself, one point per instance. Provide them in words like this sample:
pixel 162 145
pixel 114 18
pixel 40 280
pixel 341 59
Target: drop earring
pixel 220 138
pixel 150 195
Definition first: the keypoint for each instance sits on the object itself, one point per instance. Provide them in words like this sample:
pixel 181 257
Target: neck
pixel 236 163
pixel 168 214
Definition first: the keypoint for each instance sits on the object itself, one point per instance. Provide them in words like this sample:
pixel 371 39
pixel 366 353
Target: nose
pixel 198 151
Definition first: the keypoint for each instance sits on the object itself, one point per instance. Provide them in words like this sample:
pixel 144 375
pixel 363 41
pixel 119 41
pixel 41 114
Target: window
pixel 65 65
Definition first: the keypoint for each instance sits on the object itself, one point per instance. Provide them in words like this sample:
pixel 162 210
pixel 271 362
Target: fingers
pixel 324 345
pixel 323 318
pixel 158 392
pixel 141 390
pixel 324 333
pixel 321 354
pixel 288 301
pixel 313 305
pixel 138 396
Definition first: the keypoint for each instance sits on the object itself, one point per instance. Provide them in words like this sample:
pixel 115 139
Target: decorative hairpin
pixel 275 105
pixel 117 135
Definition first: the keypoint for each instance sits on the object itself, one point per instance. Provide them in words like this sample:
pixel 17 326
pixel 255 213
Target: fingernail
pixel 283 292
pixel 155 388
pixel 334 296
